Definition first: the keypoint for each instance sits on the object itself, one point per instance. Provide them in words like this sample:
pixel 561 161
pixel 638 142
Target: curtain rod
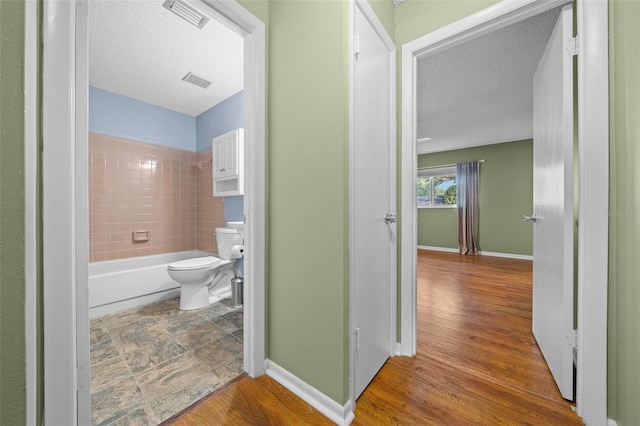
pixel 445 165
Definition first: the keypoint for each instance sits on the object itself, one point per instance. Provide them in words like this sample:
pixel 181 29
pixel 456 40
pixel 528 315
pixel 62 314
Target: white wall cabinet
pixel 228 163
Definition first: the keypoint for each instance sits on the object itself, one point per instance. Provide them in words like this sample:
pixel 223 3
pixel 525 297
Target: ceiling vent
pixel 198 81
pixel 186 12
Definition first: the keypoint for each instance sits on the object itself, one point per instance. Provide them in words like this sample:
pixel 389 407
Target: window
pixel 436 187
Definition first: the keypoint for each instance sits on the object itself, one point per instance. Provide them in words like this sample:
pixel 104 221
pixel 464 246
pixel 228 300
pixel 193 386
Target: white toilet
pixel 206 280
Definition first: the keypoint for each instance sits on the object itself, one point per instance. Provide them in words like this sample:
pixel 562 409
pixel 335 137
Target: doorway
pixel 65 238
pixel 591 398
pixel 488 81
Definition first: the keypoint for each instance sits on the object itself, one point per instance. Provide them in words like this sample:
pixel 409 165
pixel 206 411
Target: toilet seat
pixel 194 264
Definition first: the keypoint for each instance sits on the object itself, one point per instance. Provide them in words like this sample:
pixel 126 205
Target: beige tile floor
pixel 150 362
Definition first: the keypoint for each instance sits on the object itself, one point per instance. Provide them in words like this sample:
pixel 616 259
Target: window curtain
pixel 467 207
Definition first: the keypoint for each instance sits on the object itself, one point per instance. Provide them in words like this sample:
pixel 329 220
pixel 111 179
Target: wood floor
pixel 477 361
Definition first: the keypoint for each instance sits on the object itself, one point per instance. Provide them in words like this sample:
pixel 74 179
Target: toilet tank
pixel 225 239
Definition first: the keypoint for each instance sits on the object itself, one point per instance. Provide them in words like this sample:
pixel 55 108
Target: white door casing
pixel 65 220
pixel 553 236
pixel 373 245
pixel 593 137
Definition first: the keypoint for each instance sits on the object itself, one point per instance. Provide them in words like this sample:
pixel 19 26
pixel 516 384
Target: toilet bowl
pixel 206 280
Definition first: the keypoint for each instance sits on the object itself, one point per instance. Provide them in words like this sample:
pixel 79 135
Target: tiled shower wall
pixel 210 209
pixel 135 186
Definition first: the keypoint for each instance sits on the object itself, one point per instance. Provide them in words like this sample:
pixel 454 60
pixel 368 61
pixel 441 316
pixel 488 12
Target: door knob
pixel 531 218
pixel 390 218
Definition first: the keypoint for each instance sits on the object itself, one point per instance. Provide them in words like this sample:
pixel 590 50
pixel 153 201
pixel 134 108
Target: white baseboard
pixel 611 422
pixel 447 249
pixel 340 415
pixel 483 253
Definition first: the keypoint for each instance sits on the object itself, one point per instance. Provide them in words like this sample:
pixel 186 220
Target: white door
pixel 373 245
pixel 553 205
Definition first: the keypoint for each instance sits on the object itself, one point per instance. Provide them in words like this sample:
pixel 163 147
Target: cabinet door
pixel 218 158
pixel 231 154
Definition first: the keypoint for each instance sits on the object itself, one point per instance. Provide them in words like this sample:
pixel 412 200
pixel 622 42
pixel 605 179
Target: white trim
pixel 593 237
pixel 339 414
pixel 373 19
pixel 30 208
pixel 64 230
pixel 59 231
pixel 593 139
pixel 255 177
pixel 80 215
pixel 506 255
pixel 445 249
pixel 611 422
pixel 409 215
pixel 482 253
pixel 377 26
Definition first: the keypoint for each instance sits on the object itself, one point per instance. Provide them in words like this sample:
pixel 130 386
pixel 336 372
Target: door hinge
pixel 572 46
pixel 572 338
pixel 356 45
pixel 357 337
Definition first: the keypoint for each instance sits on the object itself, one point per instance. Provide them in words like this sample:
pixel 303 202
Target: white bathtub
pixel 137 281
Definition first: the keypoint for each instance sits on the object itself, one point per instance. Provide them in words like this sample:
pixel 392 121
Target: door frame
pixel 65 209
pixel 593 141
pixel 373 19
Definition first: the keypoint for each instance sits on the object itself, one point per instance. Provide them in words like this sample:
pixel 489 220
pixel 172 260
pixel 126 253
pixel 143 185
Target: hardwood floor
pixel 477 361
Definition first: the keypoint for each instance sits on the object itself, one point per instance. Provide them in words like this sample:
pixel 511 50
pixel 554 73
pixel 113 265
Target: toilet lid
pixel 196 263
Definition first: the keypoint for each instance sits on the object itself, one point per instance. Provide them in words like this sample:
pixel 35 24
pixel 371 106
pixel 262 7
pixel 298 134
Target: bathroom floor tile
pixel 136 323
pixel 177 384
pixel 216 310
pixel 236 318
pixel 226 326
pixel 224 357
pixel 135 340
pixel 196 333
pixel 174 321
pixel 98 334
pixel 108 371
pixel 152 355
pixel 136 416
pixel 150 362
pixel 162 308
pixel 102 351
pixel 114 401
pixel 239 334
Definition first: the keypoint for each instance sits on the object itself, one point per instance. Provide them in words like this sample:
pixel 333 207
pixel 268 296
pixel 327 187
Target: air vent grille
pixel 186 12
pixel 198 81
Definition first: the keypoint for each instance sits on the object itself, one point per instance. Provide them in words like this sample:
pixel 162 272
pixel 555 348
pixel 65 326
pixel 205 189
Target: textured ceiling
pixel 481 92
pixel 139 49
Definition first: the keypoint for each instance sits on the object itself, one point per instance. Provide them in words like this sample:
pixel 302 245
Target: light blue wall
pixel 233 208
pixel 123 117
pixel 222 118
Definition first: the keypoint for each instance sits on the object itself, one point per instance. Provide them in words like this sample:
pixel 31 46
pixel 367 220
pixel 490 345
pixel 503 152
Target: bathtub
pixel 137 281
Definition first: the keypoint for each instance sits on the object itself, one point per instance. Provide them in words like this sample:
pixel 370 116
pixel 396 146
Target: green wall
pixel 506 193
pixel 12 277
pixel 624 223
pixel 308 199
